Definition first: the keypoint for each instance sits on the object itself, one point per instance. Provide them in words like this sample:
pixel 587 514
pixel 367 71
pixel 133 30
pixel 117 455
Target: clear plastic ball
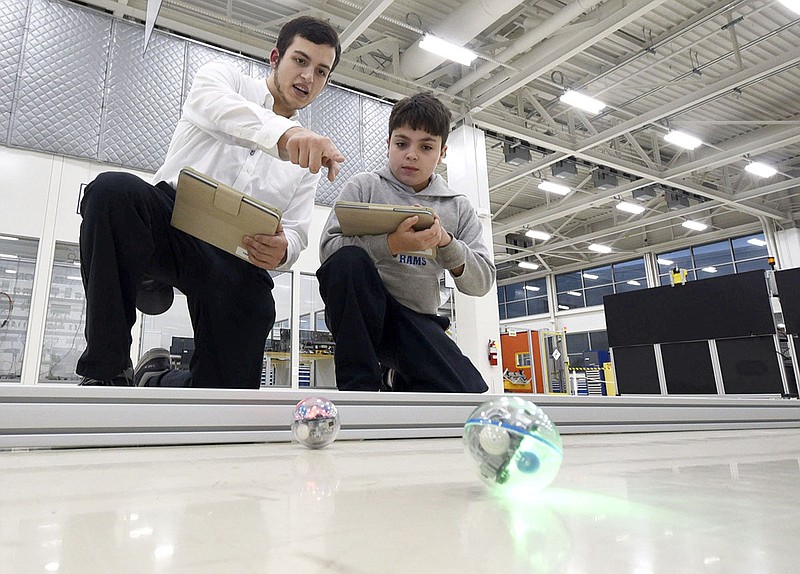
pixel 315 422
pixel 515 445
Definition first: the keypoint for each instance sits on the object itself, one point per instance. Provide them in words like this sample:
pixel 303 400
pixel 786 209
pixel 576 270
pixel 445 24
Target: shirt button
pixel 252 152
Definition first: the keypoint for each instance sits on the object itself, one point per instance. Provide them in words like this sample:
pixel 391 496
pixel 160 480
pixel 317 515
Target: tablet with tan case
pixel 356 218
pixel 218 214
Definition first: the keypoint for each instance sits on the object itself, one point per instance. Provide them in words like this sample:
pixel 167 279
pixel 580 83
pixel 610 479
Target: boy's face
pixel 414 155
pixel 299 75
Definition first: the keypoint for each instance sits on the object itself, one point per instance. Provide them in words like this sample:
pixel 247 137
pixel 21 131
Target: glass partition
pixel 17 264
pixel 64 340
pixel 316 342
pixel 277 371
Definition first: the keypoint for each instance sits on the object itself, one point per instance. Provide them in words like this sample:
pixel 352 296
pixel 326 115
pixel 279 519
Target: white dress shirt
pixel 229 132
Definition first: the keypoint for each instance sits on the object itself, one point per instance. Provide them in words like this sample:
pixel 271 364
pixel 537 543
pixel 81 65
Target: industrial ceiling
pixel 726 72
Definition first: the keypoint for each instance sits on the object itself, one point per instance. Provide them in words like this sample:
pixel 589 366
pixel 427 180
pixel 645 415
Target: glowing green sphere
pixel 515 445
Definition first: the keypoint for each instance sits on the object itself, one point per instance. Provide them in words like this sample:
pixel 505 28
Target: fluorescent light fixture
pixel 573 293
pixel 532 288
pixel 8 256
pixel 540 235
pixel 760 169
pixel 74 277
pixel 11 272
pixel 554 187
pixel 9 238
pixel 447 49
pixel 591 276
pixel 76 263
pixel 793 5
pixel 563 307
pixel 709 269
pixel 682 139
pixel 634 208
pixel 597 248
pixel 633 282
pixel 528 265
pixel 757 242
pixel 582 101
pixel 694 225
pixel 661 261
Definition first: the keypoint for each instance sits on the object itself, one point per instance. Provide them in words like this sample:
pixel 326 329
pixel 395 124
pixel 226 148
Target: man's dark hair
pixel 312 29
pixel 421 111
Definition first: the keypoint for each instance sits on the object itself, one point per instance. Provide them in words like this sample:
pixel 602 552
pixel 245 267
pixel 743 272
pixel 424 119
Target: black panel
pixel 788 282
pixel 749 366
pixel 717 308
pixel 636 371
pixel 688 368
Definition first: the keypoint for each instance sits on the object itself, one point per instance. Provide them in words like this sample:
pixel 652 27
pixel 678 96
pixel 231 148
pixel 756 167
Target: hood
pixel 436 188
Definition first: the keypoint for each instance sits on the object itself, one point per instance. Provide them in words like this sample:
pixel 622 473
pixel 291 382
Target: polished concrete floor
pixel 693 502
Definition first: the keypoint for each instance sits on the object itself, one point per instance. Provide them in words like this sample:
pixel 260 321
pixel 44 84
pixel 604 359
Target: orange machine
pixel 522 366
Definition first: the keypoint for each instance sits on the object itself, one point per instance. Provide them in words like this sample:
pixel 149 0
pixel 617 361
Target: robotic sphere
pixel 315 422
pixel 514 444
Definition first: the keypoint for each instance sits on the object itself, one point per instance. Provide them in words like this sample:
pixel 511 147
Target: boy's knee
pixel 348 257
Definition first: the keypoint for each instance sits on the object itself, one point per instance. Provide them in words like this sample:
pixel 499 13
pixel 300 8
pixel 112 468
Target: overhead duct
pixel 525 42
pixel 460 27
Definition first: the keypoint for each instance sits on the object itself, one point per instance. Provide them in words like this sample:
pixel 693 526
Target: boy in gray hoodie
pixel 381 302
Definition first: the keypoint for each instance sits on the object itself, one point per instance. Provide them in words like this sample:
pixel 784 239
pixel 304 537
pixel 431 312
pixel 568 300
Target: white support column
pixel 478 319
pixel 788 246
pixel 40 294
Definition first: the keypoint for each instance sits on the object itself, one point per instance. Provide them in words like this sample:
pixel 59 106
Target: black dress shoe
pixel 153 297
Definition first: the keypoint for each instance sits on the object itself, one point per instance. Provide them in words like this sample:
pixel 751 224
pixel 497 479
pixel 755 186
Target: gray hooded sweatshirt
pixel 413 279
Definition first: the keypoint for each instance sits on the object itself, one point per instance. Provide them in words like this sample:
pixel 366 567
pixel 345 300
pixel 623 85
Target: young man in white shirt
pixel 242 132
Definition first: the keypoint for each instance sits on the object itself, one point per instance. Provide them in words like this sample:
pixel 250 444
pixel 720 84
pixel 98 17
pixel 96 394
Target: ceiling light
pixel 591 276
pixel 11 272
pixel 633 282
pixel 540 235
pixel 793 5
pixel 554 187
pixel 8 256
pixel 528 265
pixel 573 293
pixel 563 307
pixel 7 238
pixel 447 49
pixel 630 207
pixel 760 169
pixel 599 248
pixel 532 288
pixel 661 261
pixel 582 101
pixel 757 242
pixel 710 269
pixel 74 278
pixel 694 225
pixel 682 139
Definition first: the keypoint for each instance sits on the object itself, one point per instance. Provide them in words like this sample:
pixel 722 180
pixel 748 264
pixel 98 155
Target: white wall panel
pixel 24 186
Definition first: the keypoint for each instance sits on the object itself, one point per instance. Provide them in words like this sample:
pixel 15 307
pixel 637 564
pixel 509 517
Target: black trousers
pixel 126 234
pixel 372 329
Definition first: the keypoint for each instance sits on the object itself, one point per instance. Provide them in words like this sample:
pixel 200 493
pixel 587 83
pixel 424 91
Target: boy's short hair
pixel 312 29
pixel 421 111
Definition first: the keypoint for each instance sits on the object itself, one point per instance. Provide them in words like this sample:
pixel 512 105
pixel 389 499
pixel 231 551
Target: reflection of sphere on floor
pixel 315 422
pixel 514 443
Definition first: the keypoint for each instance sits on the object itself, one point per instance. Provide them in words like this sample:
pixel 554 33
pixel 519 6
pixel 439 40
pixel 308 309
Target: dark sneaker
pixel 124 379
pixel 153 297
pixel 153 362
